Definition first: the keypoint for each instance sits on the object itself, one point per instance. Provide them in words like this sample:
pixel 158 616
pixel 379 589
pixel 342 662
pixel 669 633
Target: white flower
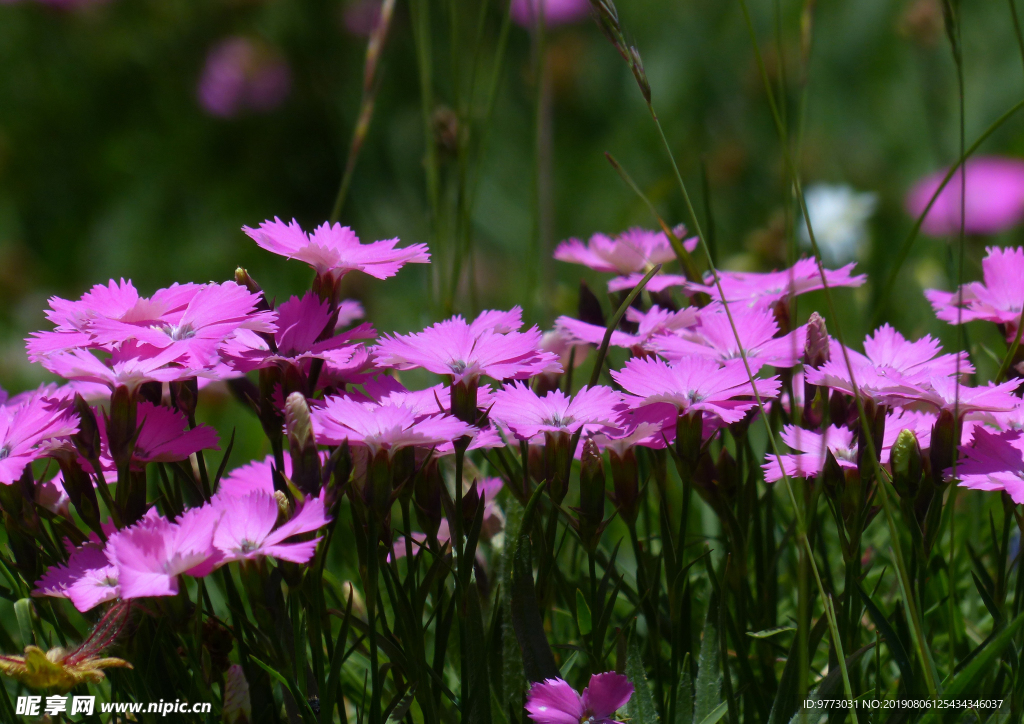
pixel 839 215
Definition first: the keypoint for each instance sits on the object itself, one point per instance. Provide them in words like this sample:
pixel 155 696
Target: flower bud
pixel 905 459
pixel 556 464
pixel 589 309
pixel 237 706
pixel 284 506
pixel 689 429
pixel 816 349
pixel 152 392
pixel 121 426
pixel 87 439
pixel 626 482
pixel 403 465
pixel 185 395
pixel 302 444
pixel 427 496
pixel 377 488
pixel 463 404
pixel 833 477
pixel 80 490
pixel 943 446
pixel 592 494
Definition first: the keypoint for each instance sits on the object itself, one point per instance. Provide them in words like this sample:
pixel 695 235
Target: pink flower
pixel 300 323
pixel 945 394
pixel 890 369
pixel 88 578
pixel 657 283
pixel 993 202
pixel 993 461
pixel 811 447
pixel 998 299
pixel 556 12
pixel 494 520
pixel 462 350
pixel 349 311
pixel 243 75
pixel 633 252
pixel 694 384
pixel 29 430
pixel 382 427
pixel 521 410
pixel 213 314
pixel 128 366
pixel 335 249
pixel 553 701
pixel 655 321
pixel 151 554
pixel 256 476
pixel 714 339
pixel 247 529
pixel 765 289
pixel 163 437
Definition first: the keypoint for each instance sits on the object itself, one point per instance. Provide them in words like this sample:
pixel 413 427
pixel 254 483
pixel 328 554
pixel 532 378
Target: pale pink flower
pixel 256 476
pixel 655 321
pixel 811 448
pixel 349 311
pixel 765 289
pixel 553 701
pixel 29 431
pixel 631 254
pixel 247 530
pixel 999 298
pixel 713 338
pixel 993 202
pixel 335 249
pixel 467 351
pixel 87 579
pixel 242 74
pixel 151 554
pixel 945 394
pixel 382 427
pixel 556 12
pixel 128 366
pixel 694 384
pixel 521 410
pixel 657 283
pixel 993 461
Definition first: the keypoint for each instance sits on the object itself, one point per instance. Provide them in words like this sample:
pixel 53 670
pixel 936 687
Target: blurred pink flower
pixel 633 251
pixel 335 249
pixel 242 74
pixel 766 288
pixel 521 410
pixel 656 321
pixel 997 299
pixel 553 701
pixel 993 202
pixel 360 17
pixel 556 12
pixel 88 578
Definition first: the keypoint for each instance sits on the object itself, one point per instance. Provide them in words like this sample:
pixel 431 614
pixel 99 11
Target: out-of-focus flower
pixel 631 254
pixel 28 432
pixel 349 311
pixel 553 701
pixel 714 339
pixel 360 17
pixel 999 298
pixel 993 461
pixel 556 12
pixel 382 427
pixel 521 410
pixel 247 529
pixel 237 704
pixel 694 384
pixel 765 289
pixel 656 321
pixel 993 201
pixel 89 578
pixel 242 74
pixel 151 554
pixel 462 350
pixel 335 250
pixel 839 217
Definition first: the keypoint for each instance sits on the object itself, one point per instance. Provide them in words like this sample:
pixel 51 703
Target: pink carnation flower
pixel 521 410
pixel 335 249
pixel 151 554
pixel 247 530
pixel 993 461
pixel 163 437
pixel 630 255
pixel 993 202
pixel 765 289
pixel 382 427
pixel 494 520
pixel 468 351
pixel 553 701
pixel 945 394
pixel 997 299
pixel 556 12
pixel 694 384
pixel 240 75
pixel 29 430
pixel 655 321
pixel 87 579
pixel 714 339
pixel 300 323
pixel 128 366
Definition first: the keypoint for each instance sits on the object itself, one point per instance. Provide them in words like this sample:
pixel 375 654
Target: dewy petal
pixel 605 694
pixel 553 701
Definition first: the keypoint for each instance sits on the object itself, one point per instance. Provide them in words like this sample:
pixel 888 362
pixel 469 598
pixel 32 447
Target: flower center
pixel 248 546
pixel 557 420
pixel 5 452
pixel 458 366
pixel 178 333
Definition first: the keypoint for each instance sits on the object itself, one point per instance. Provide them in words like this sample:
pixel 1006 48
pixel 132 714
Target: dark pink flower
pixel 553 701
pixel 556 12
pixel 335 249
pixel 89 578
pixel 656 321
pixel 999 298
pixel 129 366
pixel 714 339
pixel 163 436
pixel 242 74
pixel 29 430
pixel 993 202
pixel 993 461
pixel 526 414
pixel 382 427
pixel 694 384
pixel 765 289
pixel 468 351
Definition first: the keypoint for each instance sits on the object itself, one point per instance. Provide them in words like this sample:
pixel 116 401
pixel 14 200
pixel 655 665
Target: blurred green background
pixel 109 167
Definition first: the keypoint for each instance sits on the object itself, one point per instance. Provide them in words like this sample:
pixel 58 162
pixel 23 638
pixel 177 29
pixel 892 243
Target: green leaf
pixel 583 614
pixel 717 713
pixel 538 661
pixel 23 612
pixel 891 640
pixel 563 672
pixel 684 694
pixel 641 708
pixel 786 700
pixel 769 632
pixel 709 673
